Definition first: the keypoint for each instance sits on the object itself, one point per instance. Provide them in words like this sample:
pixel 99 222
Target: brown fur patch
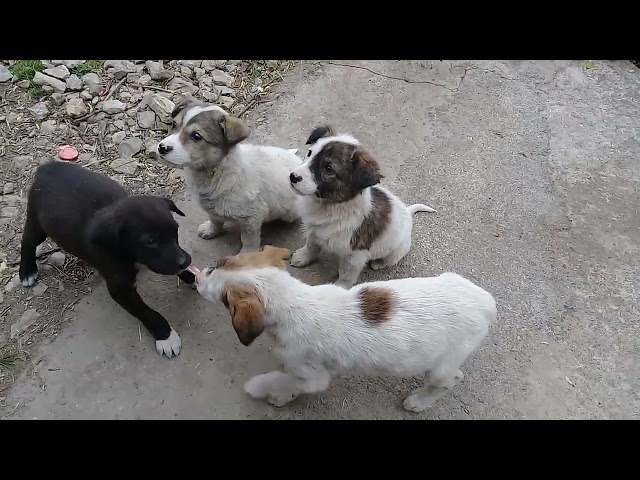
pixel 247 312
pixel 342 170
pixel 268 257
pixel 377 304
pixel 375 223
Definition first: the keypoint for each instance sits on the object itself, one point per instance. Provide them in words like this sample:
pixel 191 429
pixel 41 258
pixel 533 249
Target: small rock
pixel 39 289
pixel 121 67
pixel 119 124
pixel 186 72
pixel 199 72
pixel 26 320
pixel 48 127
pixel 71 63
pixel 76 108
pixel 21 161
pixel 211 96
pixel 229 92
pixel 57 99
pixel 145 80
pixel 5 74
pixel 189 63
pixel 206 82
pixel 221 78
pixel 86 95
pixel 126 96
pixel 85 158
pixel 92 81
pixel 24 83
pixel 182 87
pixel 74 83
pixel 57 259
pixel 130 147
pixel 118 137
pixel 124 165
pixel 11 284
pixel 48 89
pixel 158 72
pixel 209 65
pixel 95 100
pixel 60 72
pixel 146 119
pixel 226 102
pixel 39 111
pixel 8 212
pixel 47 81
pixel 113 106
pixel 8 188
pixel 162 106
pixel 119 74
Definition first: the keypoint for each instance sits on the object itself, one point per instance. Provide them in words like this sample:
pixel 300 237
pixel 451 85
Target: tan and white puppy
pixel 405 327
pixel 232 181
pixel 344 210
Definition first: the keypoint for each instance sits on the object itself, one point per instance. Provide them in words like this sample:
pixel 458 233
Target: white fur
pixel 320 331
pixel 171 346
pixel 30 280
pixel 249 187
pixel 330 226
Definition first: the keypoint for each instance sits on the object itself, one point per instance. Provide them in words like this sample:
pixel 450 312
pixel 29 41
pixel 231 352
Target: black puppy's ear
pixel 234 129
pixel 181 105
pixel 172 206
pixel 320 132
pixel 366 171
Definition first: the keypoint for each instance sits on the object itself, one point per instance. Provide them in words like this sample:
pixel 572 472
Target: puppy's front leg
pixel 211 228
pixel 250 232
pixel 167 340
pixel 280 388
pixel 349 268
pixel 306 255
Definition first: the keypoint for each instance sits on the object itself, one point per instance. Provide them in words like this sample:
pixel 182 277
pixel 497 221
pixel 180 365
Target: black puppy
pixel 92 217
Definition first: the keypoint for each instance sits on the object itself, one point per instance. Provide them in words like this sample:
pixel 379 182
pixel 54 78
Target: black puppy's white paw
pixel 29 279
pixel 171 346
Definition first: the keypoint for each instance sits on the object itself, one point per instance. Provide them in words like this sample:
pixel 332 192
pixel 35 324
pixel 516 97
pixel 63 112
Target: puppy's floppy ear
pixel 181 106
pixel 247 312
pixel 320 132
pixel 172 206
pixel 366 171
pixel 234 129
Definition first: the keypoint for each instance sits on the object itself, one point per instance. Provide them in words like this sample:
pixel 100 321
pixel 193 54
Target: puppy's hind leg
pixel 390 260
pixel 349 268
pixel 250 235
pixel 437 384
pixel 32 236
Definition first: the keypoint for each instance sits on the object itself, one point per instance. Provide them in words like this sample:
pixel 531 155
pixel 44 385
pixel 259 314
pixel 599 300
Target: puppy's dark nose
pixel 164 149
pixel 295 178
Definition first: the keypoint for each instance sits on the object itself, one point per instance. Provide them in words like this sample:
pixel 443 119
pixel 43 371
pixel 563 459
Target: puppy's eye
pixel 150 243
pixel 328 168
pixel 196 137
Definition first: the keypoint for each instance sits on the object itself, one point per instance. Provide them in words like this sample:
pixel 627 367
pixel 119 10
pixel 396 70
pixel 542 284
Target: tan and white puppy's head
pixel 234 280
pixel 201 137
pixel 336 168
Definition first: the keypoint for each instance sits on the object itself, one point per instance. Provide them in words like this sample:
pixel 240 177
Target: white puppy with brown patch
pixel 232 181
pixel 404 327
pixel 344 210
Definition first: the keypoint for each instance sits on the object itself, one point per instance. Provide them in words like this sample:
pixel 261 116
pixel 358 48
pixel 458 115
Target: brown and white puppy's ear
pixel 366 171
pixel 181 105
pixel 234 130
pixel 247 312
pixel 320 132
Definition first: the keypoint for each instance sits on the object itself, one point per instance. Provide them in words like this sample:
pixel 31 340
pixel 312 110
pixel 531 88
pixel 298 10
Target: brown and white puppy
pixel 232 181
pixel 345 211
pixel 403 327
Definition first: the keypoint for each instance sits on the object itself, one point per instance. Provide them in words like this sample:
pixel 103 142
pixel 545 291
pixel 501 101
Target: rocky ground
pixel 113 112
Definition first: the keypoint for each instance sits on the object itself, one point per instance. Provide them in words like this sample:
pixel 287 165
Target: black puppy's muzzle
pixel 185 260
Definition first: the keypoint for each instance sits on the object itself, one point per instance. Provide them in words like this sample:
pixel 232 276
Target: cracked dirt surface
pixel 533 168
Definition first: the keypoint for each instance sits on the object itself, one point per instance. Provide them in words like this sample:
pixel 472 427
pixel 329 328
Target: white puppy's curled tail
pixel 419 207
